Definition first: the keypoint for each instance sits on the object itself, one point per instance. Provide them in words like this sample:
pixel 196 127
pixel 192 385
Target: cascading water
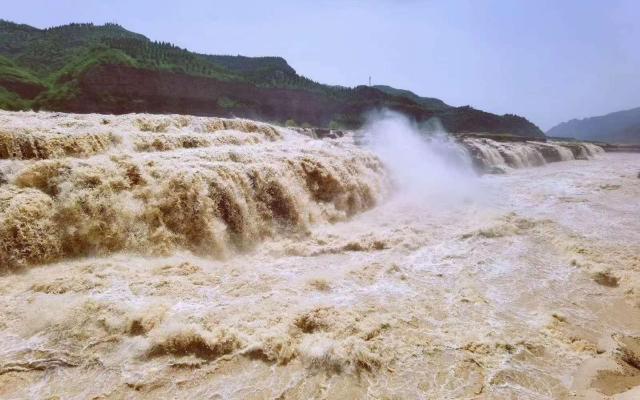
pixel 489 154
pixel 429 166
pixel 149 257
pixel 153 184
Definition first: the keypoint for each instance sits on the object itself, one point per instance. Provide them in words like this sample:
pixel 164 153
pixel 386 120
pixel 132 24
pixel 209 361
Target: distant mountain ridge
pixel 618 127
pixel 108 69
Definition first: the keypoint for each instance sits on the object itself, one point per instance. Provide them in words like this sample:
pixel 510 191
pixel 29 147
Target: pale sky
pixel 548 60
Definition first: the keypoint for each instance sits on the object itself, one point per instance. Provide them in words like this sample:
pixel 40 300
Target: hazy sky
pixel 549 60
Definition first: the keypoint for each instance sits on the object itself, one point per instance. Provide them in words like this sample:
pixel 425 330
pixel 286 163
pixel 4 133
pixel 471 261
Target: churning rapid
pixel 156 184
pixel 494 156
pixel 155 257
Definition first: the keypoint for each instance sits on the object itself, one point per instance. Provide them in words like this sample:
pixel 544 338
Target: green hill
pixel 108 69
pixel 429 102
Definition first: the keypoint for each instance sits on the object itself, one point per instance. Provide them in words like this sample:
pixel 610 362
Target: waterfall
pixel 489 154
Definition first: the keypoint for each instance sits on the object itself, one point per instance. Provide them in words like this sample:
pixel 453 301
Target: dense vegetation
pixel 430 102
pixel 90 68
pixel 618 127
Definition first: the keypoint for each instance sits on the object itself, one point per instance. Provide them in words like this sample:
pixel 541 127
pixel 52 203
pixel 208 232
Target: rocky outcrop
pixel 25 90
pixel 620 148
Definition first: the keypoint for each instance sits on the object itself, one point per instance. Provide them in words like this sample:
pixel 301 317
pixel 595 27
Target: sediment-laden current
pixel 91 185
pixel 183 257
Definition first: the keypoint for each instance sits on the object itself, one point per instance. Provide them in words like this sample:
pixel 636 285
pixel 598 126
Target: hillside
pixel 108 69
pixel 618 127
pixel 430 102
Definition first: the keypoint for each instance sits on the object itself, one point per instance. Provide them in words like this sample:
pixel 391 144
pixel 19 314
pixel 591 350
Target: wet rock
pixel 496 171
pixel 322 133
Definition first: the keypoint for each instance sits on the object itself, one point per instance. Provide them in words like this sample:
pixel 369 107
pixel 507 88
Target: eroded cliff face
pixel 121 89
pixel 27 90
